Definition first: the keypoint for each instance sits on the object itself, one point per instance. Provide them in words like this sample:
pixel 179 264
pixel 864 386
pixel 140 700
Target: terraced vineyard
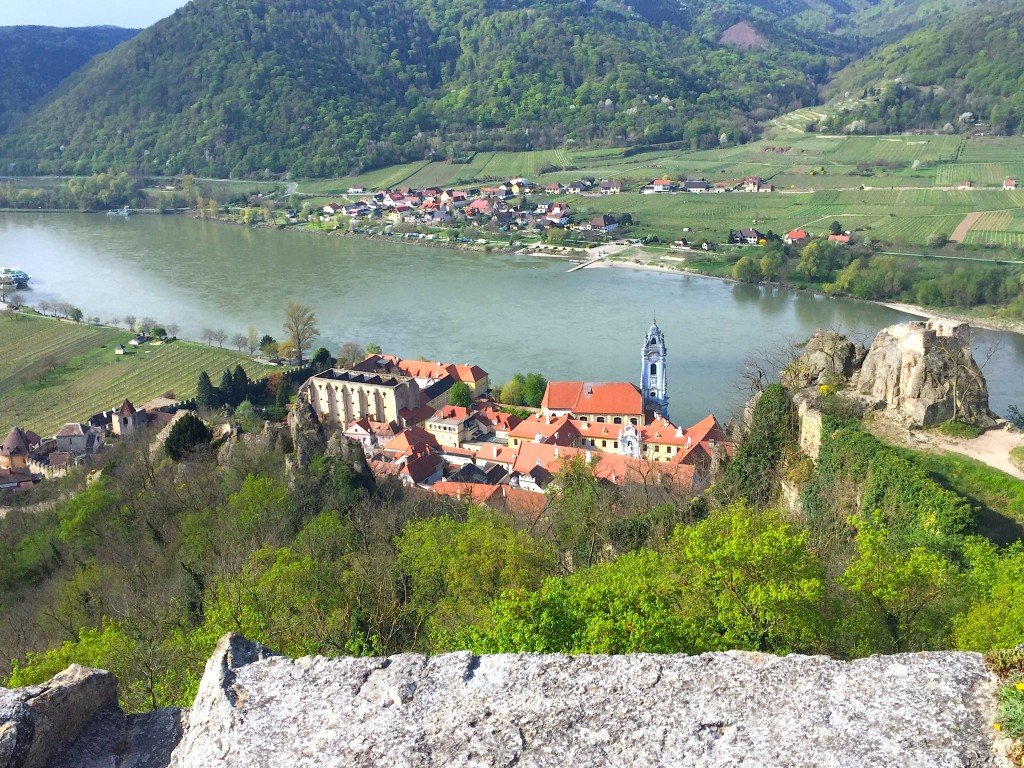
pixel 985 174
pixel 53 372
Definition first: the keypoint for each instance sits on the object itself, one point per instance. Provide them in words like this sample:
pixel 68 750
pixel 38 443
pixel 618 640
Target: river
pixel 506 313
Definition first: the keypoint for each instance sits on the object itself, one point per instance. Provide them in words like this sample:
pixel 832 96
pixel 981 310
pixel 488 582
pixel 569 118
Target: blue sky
pixel 86 13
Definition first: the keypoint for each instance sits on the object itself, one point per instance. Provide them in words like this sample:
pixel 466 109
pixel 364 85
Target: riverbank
pixel 986 322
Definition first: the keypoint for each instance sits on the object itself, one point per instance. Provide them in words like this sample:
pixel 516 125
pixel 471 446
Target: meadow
pixel 53 372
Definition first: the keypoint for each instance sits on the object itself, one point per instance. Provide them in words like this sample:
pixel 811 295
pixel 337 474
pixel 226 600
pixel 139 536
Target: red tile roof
pixel 582 398
pixel 557 430
pixel 411 441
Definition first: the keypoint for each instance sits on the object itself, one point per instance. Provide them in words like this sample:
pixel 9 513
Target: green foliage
pixel 755 471
pixel 960 430
pixel 996 618
pixel 628 606
pixel 186 95
pixel 457 568
pixel 912 589
pixel 966 64
pixel 818 259
pixel 207 396
pixel 746 270
pixel 525 389
pixel 856 472
pixel 37 59
pixel 460 395
pixel 188 435
pixel 752 580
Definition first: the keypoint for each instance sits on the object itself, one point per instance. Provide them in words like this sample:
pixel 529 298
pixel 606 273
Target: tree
pixel 266 339
pixel 350 354
pixel 188 435
pixel 321 360
pixel 910 588
pixel 75 314
pixel 817 260
pixel 218 338
pixel 129 322
pixel 239 385
pixel 835 228
pixel 456 569
pixel 996 617
pixel 301 326
pixel 252 341
pixel 226 388
pixel 755 471
pixel 207 396
pixel 460 394
pixel 514 391
pixel 752 580
pixel 374 349
pixel 238 341
pixel 172 330
pixel 746 270
pixel 771 264
pixel 534 386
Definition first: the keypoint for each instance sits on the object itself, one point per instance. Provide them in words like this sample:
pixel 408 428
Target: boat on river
pixel 125 212
pixel 14 277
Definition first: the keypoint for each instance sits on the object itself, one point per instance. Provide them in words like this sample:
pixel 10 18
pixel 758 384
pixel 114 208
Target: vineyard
pixel 54 372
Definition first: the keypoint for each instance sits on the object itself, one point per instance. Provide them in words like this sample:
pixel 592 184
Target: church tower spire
pixel 653 377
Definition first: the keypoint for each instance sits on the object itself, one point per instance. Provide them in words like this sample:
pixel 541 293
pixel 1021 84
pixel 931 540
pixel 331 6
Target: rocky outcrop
pixel 921 373
pixel 309 438
pixel 74 720
pixel 926 372
pixel 257 710
pixel 828 358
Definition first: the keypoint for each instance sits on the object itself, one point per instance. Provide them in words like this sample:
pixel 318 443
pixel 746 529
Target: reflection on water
pixel 504 312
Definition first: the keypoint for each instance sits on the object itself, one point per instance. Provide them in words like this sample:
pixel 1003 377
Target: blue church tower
pixel 653 378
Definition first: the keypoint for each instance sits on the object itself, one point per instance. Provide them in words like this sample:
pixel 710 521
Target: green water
pixel 505 313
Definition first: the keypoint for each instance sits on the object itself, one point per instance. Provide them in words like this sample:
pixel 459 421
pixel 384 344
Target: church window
pixel 633 421
pixel 600 419
pixel 618 419
pixel 654 393
pixel 654 369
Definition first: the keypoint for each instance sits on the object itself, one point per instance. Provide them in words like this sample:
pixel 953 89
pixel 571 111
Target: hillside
pixel 971 63
pixel 239 87
pixel 37 59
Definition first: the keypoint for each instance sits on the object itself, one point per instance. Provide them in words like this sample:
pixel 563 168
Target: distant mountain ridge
pixel 37 59
pixel 325 87
pixel 245 87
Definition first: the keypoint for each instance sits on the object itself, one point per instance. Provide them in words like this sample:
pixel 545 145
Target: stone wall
pixel 256 710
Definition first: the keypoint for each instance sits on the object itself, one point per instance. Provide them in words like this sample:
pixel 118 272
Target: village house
pixel 16 460
pixel 657 186
pixel 1009 185
pixel 757 184
pixel 748 236
pixel 842 239
pixel 611 187
pixel 455 425
pixel 79 439
pixel 696 185
pixel 558 214
pixel 605 223
pixel 614 402
pixel 554 188
pixel 965 185
pixel 796 237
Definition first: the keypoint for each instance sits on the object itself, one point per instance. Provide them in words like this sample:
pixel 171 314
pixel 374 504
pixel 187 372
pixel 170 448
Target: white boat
pixel 13 277
pixel 126 212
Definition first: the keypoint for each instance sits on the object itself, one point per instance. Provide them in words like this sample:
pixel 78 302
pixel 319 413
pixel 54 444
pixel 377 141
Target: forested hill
pixel 318 87
pixel 972 63
pixel 36 59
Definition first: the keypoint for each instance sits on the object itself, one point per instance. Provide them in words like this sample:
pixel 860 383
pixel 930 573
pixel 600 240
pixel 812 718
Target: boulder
pixel 74 721
pixel 257 710
pixel 926 373
pixel 827 358
pixel 309 438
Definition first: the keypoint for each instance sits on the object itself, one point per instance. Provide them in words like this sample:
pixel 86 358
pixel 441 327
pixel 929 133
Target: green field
pixel 53 372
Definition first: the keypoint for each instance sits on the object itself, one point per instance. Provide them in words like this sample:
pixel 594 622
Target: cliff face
pixel 256 709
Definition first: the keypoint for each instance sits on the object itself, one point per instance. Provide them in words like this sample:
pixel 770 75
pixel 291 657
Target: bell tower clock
pixel 653 378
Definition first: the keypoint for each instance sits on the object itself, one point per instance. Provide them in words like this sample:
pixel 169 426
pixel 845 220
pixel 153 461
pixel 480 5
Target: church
pixel 617 402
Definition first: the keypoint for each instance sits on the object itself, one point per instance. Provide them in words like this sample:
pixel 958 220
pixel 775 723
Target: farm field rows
pixel 87 377
pixel 987 174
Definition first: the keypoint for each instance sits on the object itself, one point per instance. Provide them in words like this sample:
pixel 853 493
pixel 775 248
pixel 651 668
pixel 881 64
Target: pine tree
pixel 227 385
pixel 207 396
pixel 188 435
pixel 239 386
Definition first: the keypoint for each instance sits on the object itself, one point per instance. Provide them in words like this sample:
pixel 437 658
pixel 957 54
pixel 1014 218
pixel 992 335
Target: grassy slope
pixel 87 377
pixel 999 497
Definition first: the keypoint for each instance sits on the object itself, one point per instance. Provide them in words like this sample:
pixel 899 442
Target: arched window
pixel 654 369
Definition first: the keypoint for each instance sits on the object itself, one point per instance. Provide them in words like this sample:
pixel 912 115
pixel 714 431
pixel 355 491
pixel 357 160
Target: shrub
pixel 188 435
